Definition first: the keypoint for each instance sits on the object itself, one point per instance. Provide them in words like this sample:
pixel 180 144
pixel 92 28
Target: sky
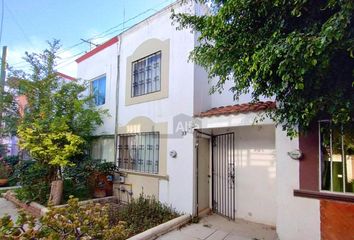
pixel 28 24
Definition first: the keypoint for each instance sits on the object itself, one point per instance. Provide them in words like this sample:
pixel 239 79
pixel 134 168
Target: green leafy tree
pixel 298 51
pixel 58 118
pixel 9 113
pixel 9 109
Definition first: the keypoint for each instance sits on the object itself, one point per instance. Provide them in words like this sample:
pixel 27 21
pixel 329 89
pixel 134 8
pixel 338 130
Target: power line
pixel 18 25
pixel 107 32
pixel 61 61
pixel 112 30
pixel 71 47
pixel 68 62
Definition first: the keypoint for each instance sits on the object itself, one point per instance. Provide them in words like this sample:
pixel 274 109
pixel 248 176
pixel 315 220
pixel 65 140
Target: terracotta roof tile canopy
pixel 239 108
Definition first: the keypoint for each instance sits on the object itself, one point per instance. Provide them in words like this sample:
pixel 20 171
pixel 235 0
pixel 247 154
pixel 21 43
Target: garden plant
pixel 56 124
pixel 91 221
pixel 298 52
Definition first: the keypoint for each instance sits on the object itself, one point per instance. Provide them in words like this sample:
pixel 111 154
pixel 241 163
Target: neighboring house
pixel 196 151
pixel 100 67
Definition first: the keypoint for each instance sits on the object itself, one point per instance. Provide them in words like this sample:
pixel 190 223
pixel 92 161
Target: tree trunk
pixel 56 192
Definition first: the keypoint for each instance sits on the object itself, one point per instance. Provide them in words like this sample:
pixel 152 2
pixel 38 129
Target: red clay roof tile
pixel 238 108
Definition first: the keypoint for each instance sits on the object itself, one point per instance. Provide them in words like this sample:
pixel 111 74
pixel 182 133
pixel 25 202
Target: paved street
pixel 215 227
pixel 7 207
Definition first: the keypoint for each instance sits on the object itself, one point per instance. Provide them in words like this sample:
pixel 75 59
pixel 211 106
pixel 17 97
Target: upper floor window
pixel 98 87
pixel 146 75
pixel 139 152
pixel 337 158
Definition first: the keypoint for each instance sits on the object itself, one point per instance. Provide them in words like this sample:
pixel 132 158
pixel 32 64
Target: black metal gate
pixel 223 170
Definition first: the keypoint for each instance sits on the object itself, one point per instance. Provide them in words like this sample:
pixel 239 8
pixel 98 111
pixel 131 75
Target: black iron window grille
pixel 139 152
pixel 336 157
pixel 146 75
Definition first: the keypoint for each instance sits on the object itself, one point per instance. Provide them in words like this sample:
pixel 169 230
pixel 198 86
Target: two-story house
pixel 196 151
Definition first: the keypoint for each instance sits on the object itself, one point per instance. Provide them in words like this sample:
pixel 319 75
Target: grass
pixel 144 213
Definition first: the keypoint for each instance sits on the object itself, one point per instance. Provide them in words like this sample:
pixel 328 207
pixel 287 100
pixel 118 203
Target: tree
pixel 298 51
pixel 9 109
pixel 58 118
pixel 9 113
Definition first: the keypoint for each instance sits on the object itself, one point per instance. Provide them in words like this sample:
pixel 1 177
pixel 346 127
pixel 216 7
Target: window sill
pixel 324 195
pixel 163 177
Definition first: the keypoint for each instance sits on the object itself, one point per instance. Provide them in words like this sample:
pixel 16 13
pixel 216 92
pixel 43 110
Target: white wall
pixel 178 190
pixel 227 96
pixel 103 62
pixel 297 218
pixel 256 174
pixel 204 101
pixel 255 159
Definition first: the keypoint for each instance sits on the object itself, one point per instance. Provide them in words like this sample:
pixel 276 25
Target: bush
pixel 80 178
pixel 72 222
pixel 144 213
pixel 35 179
pixel 12 160
pixel 4 171
pixel 32 177
pixel 78 190
pixel 91 221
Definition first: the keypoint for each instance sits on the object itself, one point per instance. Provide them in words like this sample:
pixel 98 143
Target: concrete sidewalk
pixel 215 227
pixel 9 208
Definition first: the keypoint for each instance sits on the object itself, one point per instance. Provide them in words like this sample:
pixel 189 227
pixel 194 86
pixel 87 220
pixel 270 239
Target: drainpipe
pixel 117 104
pixel 197 173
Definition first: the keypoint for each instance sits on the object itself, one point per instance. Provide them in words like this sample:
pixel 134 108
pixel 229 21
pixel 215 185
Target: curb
pixel 32 208
pixel 9 188
pixel 39 210
pixel 162 229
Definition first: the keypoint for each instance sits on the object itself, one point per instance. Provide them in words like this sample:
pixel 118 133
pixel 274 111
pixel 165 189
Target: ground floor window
pixel 337 157
pixel 139 152
pixel 103 148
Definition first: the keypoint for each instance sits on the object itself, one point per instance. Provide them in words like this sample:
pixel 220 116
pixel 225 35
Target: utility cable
pixel 18 25
pixel 107 32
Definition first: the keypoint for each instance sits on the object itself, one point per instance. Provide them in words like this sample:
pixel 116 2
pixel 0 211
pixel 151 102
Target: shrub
pixel 11 160
pixel 4 171
pixel 32 177
pixel 78 179
pixel 72 222
pixel 76 189
pixel 81 177
pixel 144 213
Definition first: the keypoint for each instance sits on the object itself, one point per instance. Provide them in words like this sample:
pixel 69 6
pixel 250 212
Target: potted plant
pixel 4 174
pixel 103 174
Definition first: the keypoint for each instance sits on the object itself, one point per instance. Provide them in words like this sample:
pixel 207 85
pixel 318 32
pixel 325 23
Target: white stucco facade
pixel 97 65
pixel 178 189
pixel 297 218
pixel 266 175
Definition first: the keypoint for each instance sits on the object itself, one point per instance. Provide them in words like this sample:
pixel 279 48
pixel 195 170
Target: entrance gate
pixel 223 171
